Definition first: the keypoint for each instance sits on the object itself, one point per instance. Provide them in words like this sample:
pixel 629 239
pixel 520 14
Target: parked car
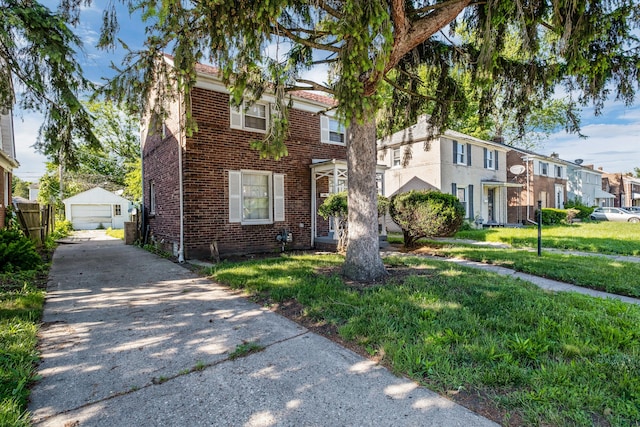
pixel 632 209
pixel 614 214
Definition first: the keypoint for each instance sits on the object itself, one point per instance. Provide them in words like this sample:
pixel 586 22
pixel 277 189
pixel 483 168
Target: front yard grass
pixel 602 237
pixel 600 273
pixel 535 357
pixel 21 302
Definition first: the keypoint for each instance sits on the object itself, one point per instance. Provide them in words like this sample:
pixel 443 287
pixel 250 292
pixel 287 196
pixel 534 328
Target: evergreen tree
pixel 589 48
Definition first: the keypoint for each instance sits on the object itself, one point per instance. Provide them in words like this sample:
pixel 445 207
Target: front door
pixel 490 204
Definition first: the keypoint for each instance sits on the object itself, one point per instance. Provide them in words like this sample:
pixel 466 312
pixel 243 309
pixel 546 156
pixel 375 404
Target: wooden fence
pixel 36 221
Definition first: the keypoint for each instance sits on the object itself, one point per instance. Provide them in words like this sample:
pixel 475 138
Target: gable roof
pixel 212 71
pixel 96 195
pixel 420 132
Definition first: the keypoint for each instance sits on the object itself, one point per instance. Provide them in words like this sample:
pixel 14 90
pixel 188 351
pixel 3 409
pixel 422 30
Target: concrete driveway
pixel 132 339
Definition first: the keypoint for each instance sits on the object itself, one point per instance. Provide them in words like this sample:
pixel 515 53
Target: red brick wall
pixel 161 166
pixel 210 154
pixel 529 194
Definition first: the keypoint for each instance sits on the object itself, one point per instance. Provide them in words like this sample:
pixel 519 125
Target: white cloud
pixel 614 147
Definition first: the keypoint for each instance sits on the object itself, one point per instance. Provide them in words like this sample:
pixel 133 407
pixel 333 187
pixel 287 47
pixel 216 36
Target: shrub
pixel 552 216
pixel 336 206
pixel 17 252
pixel 426 214
pixel 584 210
pixel 63 229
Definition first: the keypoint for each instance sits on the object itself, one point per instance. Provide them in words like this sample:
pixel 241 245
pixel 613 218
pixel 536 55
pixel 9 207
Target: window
pixel 152 198
pixel 331 131
pixel 254 118
pixel 543 198
pixel 461 153
pixel 342 185
pixel 558 171
pixel 461 194
pixel 544 168
pixel 256 197
pixel 488 159
pixel 117 210
pixel 396 157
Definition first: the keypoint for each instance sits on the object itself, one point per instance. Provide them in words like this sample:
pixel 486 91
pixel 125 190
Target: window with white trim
pixel 332 131
pixel 256 197
pixel 558 171
pixel 544 168
pixel 396 157
pixel 460 153
pixel 254 118
pixel 489 158
pixel 117 210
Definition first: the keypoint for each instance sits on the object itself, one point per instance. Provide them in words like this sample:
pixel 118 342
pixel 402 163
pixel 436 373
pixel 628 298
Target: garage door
pixel 90 217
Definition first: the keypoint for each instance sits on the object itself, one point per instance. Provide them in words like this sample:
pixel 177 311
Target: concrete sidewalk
pixel 132 339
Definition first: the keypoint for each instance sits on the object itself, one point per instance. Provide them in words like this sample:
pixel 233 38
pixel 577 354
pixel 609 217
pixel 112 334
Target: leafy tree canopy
pixel 115 163
pixel 38 61
pixel 19 187
pixel 590 48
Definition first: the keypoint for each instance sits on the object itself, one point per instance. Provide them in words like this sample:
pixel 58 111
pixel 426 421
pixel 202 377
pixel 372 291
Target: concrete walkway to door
pixel 132 339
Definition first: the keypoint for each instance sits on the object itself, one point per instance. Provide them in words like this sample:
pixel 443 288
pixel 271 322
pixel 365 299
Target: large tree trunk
pixel 363 261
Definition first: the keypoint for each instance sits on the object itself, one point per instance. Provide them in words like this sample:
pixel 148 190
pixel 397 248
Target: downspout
pixel 180 190
pixel 143 233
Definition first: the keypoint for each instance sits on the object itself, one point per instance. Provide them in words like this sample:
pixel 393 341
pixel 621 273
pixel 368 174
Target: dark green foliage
pixel 17 252
pixel 38 57
pixel 585 210
pixel 336 206
pixel 426 214
pixel 552 216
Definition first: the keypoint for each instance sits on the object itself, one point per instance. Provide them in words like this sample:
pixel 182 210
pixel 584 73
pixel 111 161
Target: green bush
pixel 551 216
pixel 63 229
pixel 426 214
pixel 17 252
pixel 584 210
pixel 336 206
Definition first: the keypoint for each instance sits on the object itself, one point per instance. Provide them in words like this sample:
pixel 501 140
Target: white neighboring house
pixel 97 208
pixel 585 184
pixel 472 169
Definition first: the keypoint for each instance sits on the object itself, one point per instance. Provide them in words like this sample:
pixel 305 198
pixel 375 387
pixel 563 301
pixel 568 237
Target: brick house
pixel 211 189
pixel 543 178
pixel 625 189
pixel 7 163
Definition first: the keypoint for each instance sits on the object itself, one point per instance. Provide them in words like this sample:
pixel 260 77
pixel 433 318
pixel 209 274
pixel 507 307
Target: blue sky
pixel 613 141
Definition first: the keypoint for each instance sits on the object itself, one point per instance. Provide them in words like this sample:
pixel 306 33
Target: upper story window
pixel 332 131
pixel 544 168
pixel 490 159
pixel 461 153
pixel 254 118
pixel 558 171
pixel 396 157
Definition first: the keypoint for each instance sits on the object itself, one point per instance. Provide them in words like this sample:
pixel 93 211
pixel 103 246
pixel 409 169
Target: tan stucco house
pixel 472 169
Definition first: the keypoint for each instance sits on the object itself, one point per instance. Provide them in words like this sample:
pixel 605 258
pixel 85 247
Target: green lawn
pixel 20 311
pixel 543 359
pixel 603 237
pixel 593 272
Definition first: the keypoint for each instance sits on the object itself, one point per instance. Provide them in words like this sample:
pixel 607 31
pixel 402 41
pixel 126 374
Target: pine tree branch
pixel 301 40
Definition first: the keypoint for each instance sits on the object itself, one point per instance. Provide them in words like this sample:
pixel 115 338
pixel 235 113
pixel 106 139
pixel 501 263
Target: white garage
pixel 97 208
